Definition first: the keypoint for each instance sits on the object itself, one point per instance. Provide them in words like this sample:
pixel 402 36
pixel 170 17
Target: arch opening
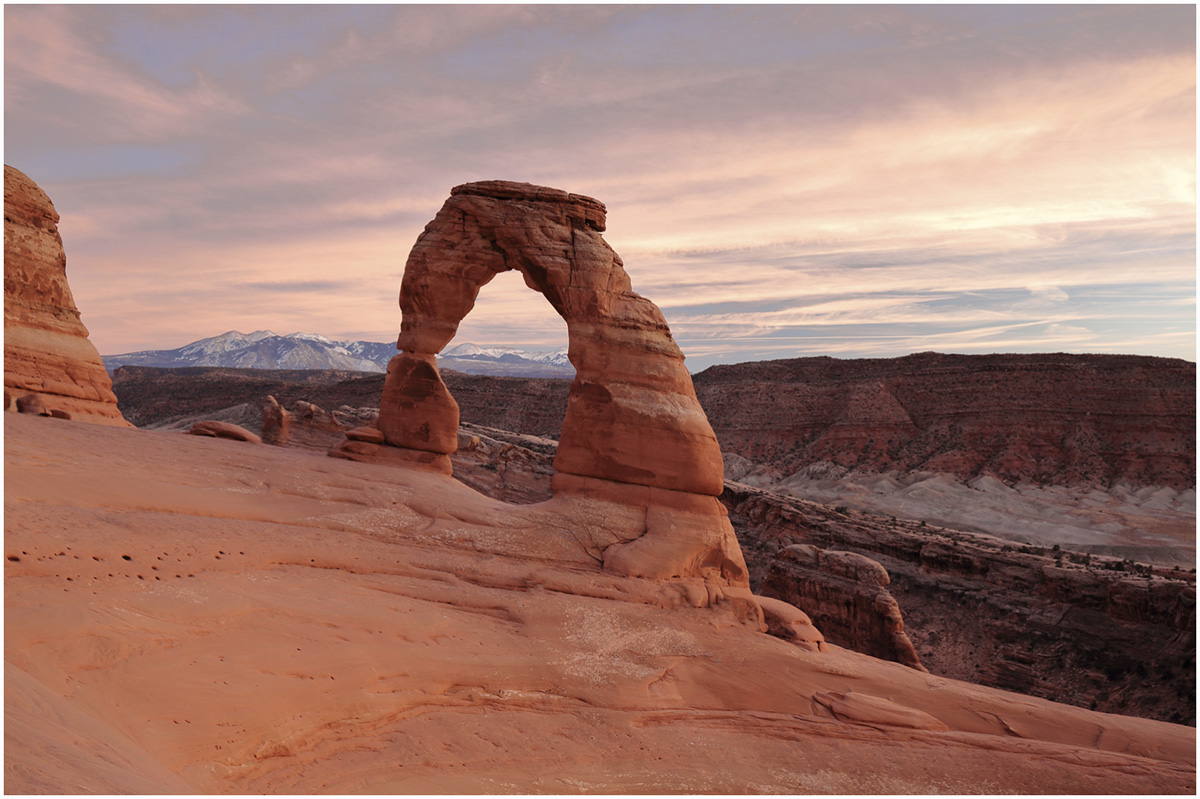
pixel 506 448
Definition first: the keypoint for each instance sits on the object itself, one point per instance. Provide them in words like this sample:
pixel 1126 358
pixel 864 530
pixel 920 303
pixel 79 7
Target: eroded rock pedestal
pixel 50 367
pixel 634 434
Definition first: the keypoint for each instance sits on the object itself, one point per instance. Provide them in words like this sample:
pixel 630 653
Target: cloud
pixel 775 174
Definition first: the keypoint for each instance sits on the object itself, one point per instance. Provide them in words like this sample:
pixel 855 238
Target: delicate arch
pixel 632 414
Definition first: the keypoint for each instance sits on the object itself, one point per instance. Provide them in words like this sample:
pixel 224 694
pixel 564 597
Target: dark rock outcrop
pixel 1088 630
pixel 846 596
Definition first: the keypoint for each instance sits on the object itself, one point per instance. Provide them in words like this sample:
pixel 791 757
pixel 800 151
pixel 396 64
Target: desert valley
pixel 931 574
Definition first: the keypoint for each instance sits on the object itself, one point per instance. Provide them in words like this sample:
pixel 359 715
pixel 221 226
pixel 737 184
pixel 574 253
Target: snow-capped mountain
pixel 471 352
pixel 264 349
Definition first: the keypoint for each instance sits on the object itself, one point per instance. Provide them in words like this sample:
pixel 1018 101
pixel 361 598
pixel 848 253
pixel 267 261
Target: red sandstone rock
pixel 853 706
pixel 416 410
pixel 32 404
pixel 224 430
pixel 634 433
pixel 368 434
pixel 632 414
pixel 276 423
pixel 46 347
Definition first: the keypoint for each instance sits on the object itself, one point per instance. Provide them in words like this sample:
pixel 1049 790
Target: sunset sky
pixel 854 181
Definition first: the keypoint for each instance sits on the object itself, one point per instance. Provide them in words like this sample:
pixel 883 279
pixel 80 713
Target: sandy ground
pixel 198 615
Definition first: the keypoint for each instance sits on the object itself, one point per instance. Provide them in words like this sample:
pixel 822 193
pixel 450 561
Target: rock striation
pixel 1042 419
pixel 50 366
pixel 634 433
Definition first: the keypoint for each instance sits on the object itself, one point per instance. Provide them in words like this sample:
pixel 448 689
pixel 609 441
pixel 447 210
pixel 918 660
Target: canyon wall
pixel 1054 419
pixel 1035 418
pixel 1092 631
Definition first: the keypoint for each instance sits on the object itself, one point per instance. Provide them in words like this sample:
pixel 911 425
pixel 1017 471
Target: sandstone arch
pixel 632 415
pixel 634 432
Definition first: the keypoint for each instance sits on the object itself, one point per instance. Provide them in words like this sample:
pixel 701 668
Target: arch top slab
pixel 586 210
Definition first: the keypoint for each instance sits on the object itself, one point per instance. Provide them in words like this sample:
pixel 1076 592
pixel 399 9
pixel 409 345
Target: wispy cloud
pixel 780 180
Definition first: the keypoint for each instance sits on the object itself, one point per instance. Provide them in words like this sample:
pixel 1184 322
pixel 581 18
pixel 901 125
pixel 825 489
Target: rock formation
pixel 215 429
pixel 47 354
pixel 276 423
pixel 1092 631
pixel 846 596
pixel 991 618
pixel 1047 419
pixel 634 433
pixel 309 426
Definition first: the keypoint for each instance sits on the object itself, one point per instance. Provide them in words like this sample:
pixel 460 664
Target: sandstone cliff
pixel 49 364
pixel 1094 420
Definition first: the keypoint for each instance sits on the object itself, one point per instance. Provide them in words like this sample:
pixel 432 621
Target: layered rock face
pixel 1053 419
pixel 50 367
pixel 634 432
pixel 847 597
pixel 1092 631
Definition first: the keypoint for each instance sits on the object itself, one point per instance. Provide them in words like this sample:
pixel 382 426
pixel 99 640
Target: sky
pixel 782 181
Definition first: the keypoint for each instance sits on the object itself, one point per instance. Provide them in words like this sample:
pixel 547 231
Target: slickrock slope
pixel 976 629
pixel 47 355
pixel 188 614
pixel 634 437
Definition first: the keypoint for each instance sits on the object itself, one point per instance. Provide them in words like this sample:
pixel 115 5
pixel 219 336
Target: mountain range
pixel 264 349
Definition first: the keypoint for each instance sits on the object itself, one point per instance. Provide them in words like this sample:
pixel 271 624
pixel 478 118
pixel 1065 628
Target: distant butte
pixel 50 366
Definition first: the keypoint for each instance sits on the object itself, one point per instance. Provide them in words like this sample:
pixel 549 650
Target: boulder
pixel 46 348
